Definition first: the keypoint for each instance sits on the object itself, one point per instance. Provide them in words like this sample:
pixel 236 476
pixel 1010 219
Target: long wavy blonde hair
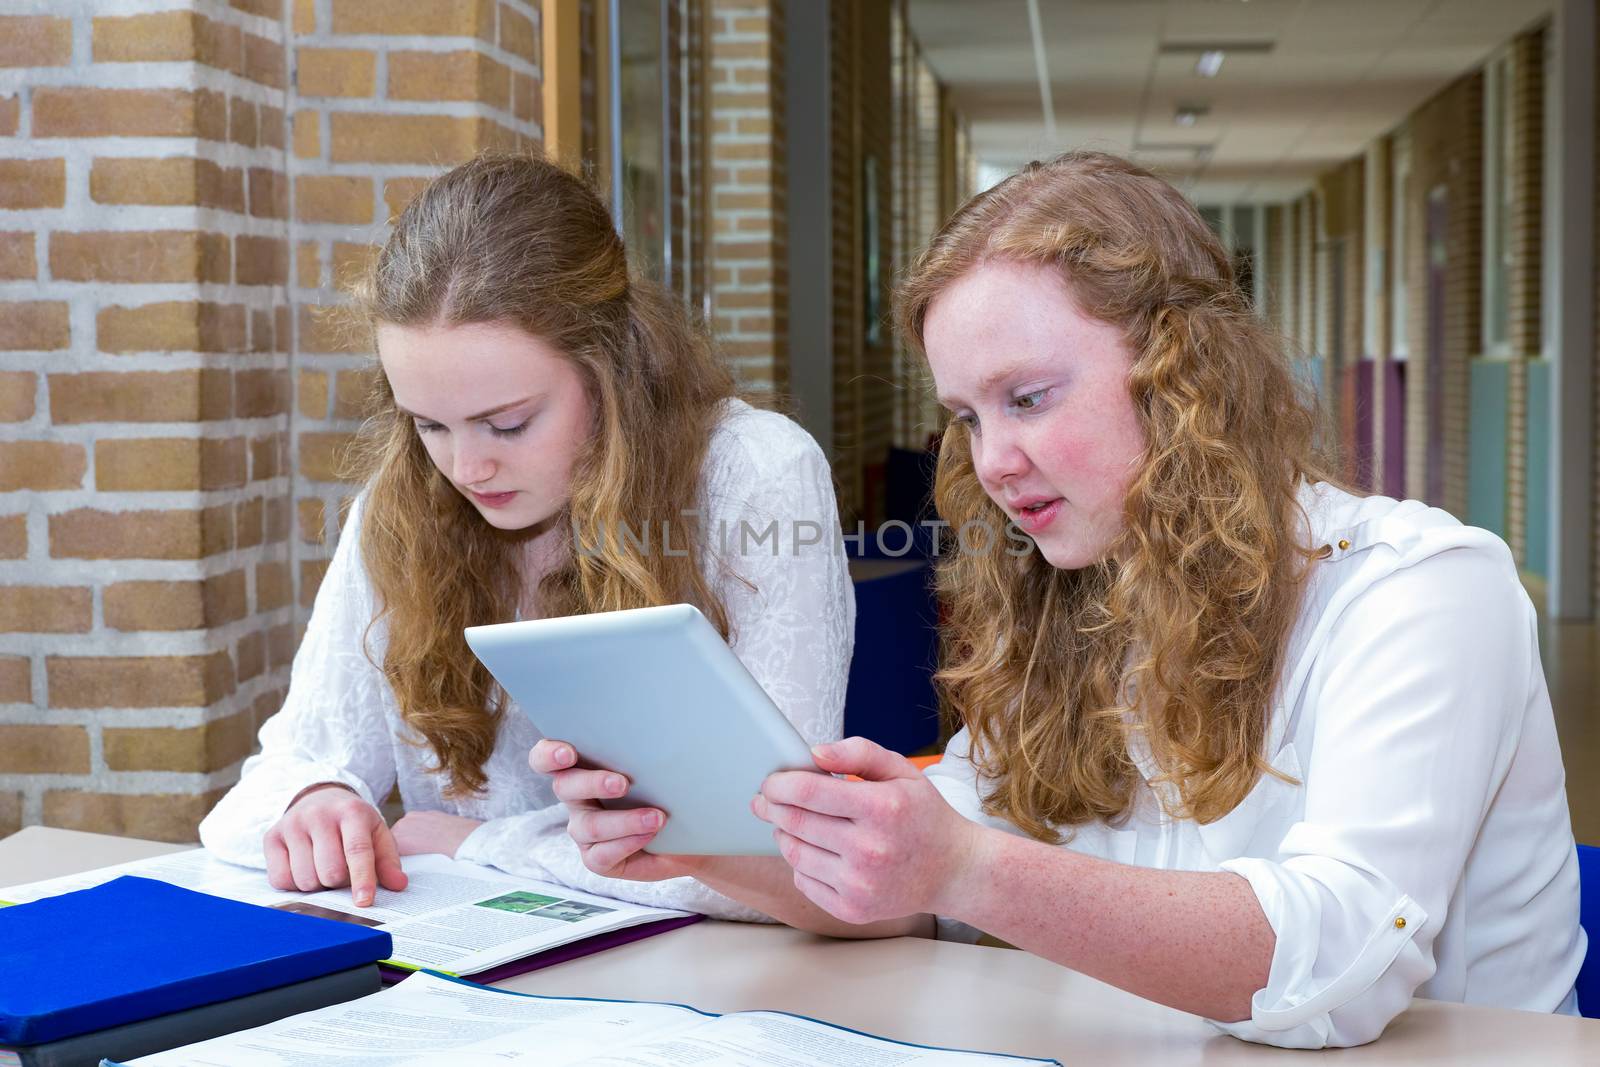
pixel 515 239
pixel 1179 634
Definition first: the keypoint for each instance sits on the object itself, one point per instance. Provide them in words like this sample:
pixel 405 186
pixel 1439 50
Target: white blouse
pixel 790 605
pixel 1427 850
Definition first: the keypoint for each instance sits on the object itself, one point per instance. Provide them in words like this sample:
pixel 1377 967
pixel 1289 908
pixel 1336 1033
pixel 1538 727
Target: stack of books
pixel 134 966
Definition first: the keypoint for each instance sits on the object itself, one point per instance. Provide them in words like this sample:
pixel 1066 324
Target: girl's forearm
pixel 1193 940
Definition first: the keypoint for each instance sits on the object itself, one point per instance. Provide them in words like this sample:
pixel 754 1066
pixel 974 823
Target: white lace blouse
pixel 792 614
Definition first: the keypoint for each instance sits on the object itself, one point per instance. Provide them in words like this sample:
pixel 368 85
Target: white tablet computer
pixel 656 694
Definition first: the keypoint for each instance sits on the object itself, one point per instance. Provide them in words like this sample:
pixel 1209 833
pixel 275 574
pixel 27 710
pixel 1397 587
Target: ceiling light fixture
pixel 1240 46
pixel 1210 63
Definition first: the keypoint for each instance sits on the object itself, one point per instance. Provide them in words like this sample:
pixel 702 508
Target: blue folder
pixel 135 948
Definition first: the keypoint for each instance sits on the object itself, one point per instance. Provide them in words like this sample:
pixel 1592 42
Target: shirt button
pixel 1400 923
pixel 1343 544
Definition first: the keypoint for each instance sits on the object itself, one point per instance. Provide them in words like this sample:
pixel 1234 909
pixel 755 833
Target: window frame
pixel 1399 221
pixel 1495 321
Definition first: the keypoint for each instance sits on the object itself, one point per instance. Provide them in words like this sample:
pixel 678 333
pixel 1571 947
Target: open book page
pixel 195 869
pixel 452 916
pixel 430 1020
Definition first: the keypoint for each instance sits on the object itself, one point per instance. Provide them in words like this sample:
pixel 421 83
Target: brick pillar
pixel 144 625
pixel 1557 602
pixel 1447 154
pixel 905 239
pixel 162 246
pixel 1287 275
pixel 1305 304
pixel 387 93
pixel 922 198
pixel 1324 328
pixel 1352 326
pixel 1527 249
pixel 1380 250
pixel 1414 272
pixel 927 415
pixel 749 252
pixel 1295 298
pixel 862 129
pixel 1269 281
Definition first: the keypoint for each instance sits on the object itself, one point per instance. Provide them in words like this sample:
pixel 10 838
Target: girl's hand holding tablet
pixel 882 848
pixel 610 841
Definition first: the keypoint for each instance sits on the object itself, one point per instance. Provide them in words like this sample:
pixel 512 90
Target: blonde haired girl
pixel 530 387
pixel 1233 738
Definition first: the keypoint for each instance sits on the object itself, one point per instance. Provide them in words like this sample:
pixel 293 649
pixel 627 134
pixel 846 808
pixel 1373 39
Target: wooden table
pixel 932 992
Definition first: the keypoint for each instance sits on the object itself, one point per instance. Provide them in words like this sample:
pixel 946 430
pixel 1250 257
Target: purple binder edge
pixel 559 954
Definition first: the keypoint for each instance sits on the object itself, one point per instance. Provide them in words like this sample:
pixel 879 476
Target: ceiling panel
pixel 1340 73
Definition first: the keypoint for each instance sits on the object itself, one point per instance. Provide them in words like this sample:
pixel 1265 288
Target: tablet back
pixel 656 694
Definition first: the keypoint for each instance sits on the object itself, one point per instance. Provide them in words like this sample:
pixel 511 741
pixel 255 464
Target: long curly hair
pixel 1179 634
pixel 515 239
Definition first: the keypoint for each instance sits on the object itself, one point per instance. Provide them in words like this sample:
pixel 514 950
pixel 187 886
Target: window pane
pixel 643 135
pixel 1399 266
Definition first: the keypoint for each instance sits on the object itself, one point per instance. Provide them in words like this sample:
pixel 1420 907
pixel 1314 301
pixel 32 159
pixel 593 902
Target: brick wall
pixel 696 18
pixel 1305 258
pixel 1288 276
pixel 874 93
pixel 1270 282
pixel 144 384
pixel 1527 246
pixel 1447 154
pixel 1323 326
pixel 1353 324
pixel 1341 194
pixel 1379 203
pixel 861 129
pixel 749 186
pixel 925 410
pixel 845 191
pixel 678 206
pixel 927 188
pixel 180 187
pixel 905 240
pixel 1595 355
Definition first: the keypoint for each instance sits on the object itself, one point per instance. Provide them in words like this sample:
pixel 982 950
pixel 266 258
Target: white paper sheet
pixel 427 1020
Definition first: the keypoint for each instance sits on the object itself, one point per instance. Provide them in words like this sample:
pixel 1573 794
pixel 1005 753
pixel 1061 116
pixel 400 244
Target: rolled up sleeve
pixel 1419 696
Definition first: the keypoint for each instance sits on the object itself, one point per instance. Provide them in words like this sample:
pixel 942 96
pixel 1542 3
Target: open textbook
pixel 429 1020
pixel 453 916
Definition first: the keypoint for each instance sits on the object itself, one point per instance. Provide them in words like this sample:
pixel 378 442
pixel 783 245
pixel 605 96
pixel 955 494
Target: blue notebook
pixel 135 948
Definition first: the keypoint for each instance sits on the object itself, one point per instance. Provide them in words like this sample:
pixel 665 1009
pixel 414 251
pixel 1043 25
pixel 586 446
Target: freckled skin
pixel 1007 334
